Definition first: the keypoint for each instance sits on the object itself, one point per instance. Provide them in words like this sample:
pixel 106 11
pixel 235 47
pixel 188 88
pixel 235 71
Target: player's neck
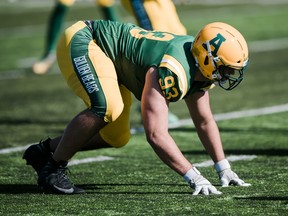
pixel 200 77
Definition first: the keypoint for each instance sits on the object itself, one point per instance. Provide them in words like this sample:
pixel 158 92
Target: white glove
pixel 227 176
pixel 200 184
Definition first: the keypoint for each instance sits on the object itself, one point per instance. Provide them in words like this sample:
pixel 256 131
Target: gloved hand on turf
pixel 227 176
pixel 200 184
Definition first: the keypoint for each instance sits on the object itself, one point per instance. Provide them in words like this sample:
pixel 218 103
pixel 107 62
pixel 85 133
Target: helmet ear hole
pixel 206 61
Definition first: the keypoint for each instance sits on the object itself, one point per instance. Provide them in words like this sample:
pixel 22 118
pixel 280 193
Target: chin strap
pixel 215 74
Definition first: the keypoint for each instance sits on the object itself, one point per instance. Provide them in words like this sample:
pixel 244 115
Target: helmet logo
pixel 216 43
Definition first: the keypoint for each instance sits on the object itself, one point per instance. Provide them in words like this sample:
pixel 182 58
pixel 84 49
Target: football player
pixel 104 62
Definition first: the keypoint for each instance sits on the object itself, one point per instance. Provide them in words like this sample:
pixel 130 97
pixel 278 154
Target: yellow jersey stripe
pixel 172 64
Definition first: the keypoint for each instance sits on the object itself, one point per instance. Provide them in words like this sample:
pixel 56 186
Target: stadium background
pixel 134 181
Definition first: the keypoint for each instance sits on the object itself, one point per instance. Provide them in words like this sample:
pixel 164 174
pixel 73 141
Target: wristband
pixel 191 174
pixel 222 165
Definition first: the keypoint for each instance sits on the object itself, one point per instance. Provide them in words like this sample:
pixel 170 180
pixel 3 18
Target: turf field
pixel 132 180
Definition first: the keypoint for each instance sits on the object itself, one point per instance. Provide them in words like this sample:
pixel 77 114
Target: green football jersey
pixel 134 50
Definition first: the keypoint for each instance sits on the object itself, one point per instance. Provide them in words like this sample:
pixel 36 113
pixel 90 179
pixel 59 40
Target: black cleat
pixel 37 155
pixel 53 178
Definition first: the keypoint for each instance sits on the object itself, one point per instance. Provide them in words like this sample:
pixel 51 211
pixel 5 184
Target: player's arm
pixel 154 108
pixel 208 132
pixel 155 121
pixel 207 129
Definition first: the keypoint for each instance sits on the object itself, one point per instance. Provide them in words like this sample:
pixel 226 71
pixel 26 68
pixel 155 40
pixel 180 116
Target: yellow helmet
pixel 221 54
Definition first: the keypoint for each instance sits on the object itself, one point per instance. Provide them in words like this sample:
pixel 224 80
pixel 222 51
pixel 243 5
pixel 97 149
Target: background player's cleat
pixel 53 179
pixel 44 65
pixel 37 155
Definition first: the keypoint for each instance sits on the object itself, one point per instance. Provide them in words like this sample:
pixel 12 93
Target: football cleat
pixel 44 65
pixel 53 178
pixel 37 155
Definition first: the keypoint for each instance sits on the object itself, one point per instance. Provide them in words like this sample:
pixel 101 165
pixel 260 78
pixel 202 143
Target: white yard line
pixel 14 149
pixel 218 117
pixel 268 45
pixel 230 158
pixel 237 114
pixel 90 160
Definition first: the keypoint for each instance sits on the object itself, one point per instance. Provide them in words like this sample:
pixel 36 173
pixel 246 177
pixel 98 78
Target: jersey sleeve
pixel 172 79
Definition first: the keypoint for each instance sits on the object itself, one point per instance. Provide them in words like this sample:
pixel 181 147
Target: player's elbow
pixel 153 137
pixel 203 122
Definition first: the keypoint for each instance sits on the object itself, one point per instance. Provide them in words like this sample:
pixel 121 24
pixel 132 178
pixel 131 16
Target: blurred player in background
pixel 159 15
pixel 55 26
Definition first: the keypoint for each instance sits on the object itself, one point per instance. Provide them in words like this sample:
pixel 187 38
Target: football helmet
pixel 221 54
